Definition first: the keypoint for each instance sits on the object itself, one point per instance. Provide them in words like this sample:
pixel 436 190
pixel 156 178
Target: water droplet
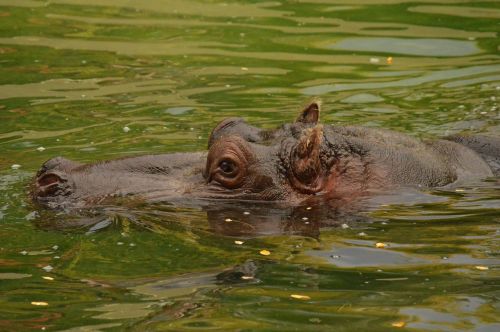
pixel 39 303
pixel 300 297
pixel 47 268
pixel 398 324
pixel 31 216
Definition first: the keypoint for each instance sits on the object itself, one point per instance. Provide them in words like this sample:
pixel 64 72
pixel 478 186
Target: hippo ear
pixel 307 175
pixel 310 113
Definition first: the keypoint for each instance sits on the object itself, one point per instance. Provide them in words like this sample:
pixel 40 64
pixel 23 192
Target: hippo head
pixel 294 163
pixel 246 162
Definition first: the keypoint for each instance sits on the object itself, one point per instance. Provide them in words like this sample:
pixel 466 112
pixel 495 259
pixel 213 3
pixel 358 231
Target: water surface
pixel 74 74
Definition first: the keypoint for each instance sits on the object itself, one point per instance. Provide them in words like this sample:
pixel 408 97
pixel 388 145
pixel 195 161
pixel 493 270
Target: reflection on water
pixel 433 77
pixel 74 73
pixel 425 47
pixel 187 7
pixel 460 11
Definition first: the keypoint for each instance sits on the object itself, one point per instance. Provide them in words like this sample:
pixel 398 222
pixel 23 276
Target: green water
pixel 74 73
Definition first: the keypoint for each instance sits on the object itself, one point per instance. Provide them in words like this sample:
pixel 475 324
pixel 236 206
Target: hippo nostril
pixel 51 184
pixel 49 179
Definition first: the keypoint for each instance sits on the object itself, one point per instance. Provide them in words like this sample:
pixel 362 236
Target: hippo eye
pixel 228 162
pixel 228 168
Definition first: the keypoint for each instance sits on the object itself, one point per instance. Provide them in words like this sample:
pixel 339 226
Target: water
pixel 75 73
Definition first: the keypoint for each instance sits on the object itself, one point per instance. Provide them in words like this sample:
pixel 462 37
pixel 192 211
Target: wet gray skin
pixel 301 161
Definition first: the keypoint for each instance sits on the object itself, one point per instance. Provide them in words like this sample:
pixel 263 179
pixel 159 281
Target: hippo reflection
pixel 242 219
pixel 295 163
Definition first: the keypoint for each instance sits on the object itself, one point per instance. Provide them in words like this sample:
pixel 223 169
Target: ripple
pixel 362 98
pixel 187 7
pixel 328 25
pixel 121 47
pixel 12 275
pixel 384 29
pixel 63 90
pixel 432 77
pixel 367 257
pixel 472 81
pixel 123 310
pixel 421 47
pixel 23 3
pixel 460 11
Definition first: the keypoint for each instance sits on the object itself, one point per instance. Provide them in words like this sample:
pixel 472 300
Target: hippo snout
pixel 53 183
pixel 52 179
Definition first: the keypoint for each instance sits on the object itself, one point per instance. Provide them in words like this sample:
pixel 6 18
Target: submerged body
pixel 294 163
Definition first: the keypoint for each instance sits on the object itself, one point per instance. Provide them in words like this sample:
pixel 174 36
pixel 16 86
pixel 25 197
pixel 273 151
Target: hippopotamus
pixel 294 163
